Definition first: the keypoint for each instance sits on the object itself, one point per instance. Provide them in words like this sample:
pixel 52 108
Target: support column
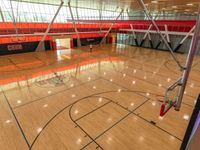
pixel 167 35
pixel 183 40
pixel 1 13
pixel 150 41
pixel 74 23
pixel 100 16
pixel 39 47
pixel 144 37
pixel 134 35
pixel 192 52
pixel 157 46
pixel 14 21
pixel 133 32
pixel 111 26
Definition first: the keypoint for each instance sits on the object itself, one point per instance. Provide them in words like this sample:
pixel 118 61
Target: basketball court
pixel 99 89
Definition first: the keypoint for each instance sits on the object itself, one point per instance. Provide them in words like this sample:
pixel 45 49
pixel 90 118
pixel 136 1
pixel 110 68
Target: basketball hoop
pixel 170 97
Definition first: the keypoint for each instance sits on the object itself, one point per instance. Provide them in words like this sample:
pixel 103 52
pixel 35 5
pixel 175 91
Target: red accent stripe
pixel 28 28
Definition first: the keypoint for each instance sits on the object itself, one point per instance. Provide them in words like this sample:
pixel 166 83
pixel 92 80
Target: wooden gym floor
pixel 108 99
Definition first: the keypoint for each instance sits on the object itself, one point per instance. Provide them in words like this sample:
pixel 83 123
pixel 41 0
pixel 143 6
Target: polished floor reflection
pixel 107 99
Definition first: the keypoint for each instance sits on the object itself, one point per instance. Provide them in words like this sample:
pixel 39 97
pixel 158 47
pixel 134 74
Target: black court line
pixel 167 61
pixel 44 64
pixel 138 79
pixel 92 111
pixel 109 101
pixel 158 127
pixel 131 112
pixel 120 120
pixel 162 75
pixel 45 126
pixel 40 99
pixel 141 78
pixel 63 110
pixel 143 117
pixel 15 117
pixel 134 76
pixel 40 60
pixel 82 128
pixel 106 130
pixel 87 82
pixel 43 97
pixel 146 119
pixel 152 84
pixel 143 91
pixel 24 69
pixel 13 63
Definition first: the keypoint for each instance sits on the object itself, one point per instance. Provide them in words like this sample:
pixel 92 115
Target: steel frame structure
pixel 182 82
pixel 39 47
pixel 188 66
pixel 1 14
pixel 146 11
pixel 163 32
pixel 74 23
pixel 183 40
pixel 13 18
pixel 111 26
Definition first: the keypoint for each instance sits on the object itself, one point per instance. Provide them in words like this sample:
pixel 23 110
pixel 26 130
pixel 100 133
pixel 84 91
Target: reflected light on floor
pixel 186 117
pixel 19 102
pixel 153 103
pixel 49 92
pixel 8 121
pixel 39 130
pixel 76 112
pixel 100 99
pixel 45 105
pixel 109 139
pixel 78 141
pixel 147 94
pixel 132 104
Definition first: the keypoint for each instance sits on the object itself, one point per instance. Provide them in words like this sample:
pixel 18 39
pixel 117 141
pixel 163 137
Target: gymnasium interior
pixel 99 74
